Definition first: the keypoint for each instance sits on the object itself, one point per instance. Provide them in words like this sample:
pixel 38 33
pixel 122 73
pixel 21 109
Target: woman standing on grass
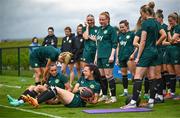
pixel 125 53
pixel 146 57
pixel 106 47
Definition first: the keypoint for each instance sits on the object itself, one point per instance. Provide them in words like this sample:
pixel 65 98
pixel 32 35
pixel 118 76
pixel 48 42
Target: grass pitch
pixel 170 109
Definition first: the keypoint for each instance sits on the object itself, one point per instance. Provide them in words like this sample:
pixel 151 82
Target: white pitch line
pixel 9 86
pixel 30 111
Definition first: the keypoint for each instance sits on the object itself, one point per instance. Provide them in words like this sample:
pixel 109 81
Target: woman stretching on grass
pixel 89 79
pixel 55 79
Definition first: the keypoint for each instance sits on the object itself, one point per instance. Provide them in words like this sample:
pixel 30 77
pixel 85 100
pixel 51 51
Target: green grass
pixel 170 109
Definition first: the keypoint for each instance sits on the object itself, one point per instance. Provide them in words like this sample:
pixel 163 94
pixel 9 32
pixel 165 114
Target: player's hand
pixel 81 89
pixel 95 61
pixel 131 57
pixel 117 61
pixel 44 80
pixel 86 24
pixel 92 37
pixel 136 61
pixel 111 59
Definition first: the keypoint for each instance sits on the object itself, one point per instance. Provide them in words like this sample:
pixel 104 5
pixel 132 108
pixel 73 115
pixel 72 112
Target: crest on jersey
pixel 82 82
pixel 128 36
pixel 105 31
pixel 35 64
pixel 95 31
pixel 57 81
pixel 70 41
pixel 81 40
pixel 92 86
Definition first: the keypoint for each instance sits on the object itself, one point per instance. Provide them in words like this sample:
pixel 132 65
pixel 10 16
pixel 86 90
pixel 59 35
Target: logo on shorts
pixel 107 65
pixel 175 61
pixel 92 86
pixel 35 64
pixel 128 36
pixel 105 31
pixel 57 81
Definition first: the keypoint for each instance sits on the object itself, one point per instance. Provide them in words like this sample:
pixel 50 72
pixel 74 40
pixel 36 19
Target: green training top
pixel 106 40
pixel 59 80
pixel 126 47
pixel 48 52
pixel 90 44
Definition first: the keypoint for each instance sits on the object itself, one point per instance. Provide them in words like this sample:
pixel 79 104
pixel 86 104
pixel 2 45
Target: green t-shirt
pixel 48 52
pixel 90 44
pixel 126 47
pixel 106 40
pixel 152 28
pixel 59 81
pixel 138 33
pixel 175 29
pixel 92 84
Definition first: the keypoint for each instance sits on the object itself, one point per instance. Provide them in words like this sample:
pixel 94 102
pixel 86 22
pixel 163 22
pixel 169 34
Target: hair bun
pixel 151 4
pixel 159 11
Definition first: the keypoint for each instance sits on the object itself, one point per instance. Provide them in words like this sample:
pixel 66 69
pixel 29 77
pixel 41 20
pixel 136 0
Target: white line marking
pixel 18 87
pixel 30 111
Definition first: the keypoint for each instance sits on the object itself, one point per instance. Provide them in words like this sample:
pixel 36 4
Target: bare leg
pixel 71 68
pixel 65 96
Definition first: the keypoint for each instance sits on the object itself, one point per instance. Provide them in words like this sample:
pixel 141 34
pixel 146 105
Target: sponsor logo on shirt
pixel 99 38
pixel 35 64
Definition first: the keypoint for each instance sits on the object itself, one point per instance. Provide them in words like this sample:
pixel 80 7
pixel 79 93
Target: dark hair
pixel 52 64
pixel 159 13
pixel 80 25
pixel 67 28
pixel 125 22
pixel 34 39
pixel 51 28
pixel 96 72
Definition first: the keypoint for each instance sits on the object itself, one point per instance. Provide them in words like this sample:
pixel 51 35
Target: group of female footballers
pixel 151 52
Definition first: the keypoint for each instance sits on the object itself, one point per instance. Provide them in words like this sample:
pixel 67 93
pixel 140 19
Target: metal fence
pixel 15 61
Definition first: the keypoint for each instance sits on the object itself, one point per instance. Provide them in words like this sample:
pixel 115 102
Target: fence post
pixel 1 61
pixel 19 61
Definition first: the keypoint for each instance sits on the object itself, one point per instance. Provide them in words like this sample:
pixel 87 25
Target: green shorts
pixel 159 60
pixel 35 62
pixel 173 54
pixel 88 56
pixel 148 58
pixel 165 58
pixel 76 102
pixel 123 63
pixel 104 63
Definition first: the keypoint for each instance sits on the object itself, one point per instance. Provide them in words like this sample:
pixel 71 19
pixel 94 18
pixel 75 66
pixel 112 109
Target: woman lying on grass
pixel 54 79
pixel 89 79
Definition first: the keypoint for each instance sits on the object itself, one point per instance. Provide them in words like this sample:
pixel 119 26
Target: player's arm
pixel 136 41
pixel 76 88
pixel 162 37
pixel 46 70
pixel 141 45
pixel 117 52
pixel 67 86
pixel 176 37
pixel 86 33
